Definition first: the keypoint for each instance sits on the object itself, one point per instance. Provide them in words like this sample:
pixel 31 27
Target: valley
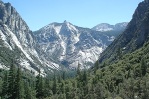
pixel 65 61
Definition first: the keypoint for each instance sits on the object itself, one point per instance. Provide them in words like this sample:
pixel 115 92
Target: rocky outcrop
pixel 135 35
pixel 17 37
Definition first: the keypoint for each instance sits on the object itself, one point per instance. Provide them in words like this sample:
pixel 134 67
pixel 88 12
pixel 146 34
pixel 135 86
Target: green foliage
pixel 54 87
pixel 19 88
pixel 39 87
pixel 11 82
pixel 125 78
pixel 4 93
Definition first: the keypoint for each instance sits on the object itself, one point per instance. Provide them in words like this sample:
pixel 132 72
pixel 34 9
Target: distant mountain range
pixel 55 46
pixel 103 27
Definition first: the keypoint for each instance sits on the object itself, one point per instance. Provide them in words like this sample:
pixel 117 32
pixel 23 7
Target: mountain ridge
pixel 16 35
pixel 73 41
pixel 52 47
pixel 103 27
pixel 134 36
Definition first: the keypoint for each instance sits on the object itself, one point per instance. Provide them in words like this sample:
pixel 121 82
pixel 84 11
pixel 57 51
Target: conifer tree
pixel 47 88
pixel 119 52
pixel 96 66
pixel 143 67
pixel 11 82
pixel 59 78
pixel 79 76
pixel 39 87
pixel 62 87
pixel 5 87
pixel 27 91
pixel 78 70
pixel 54 87
pixel 84 78
pixel 63 76
pixel 19 85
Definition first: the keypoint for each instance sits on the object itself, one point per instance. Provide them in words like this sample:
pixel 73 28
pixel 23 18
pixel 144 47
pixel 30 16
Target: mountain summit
pixel 103 27
pixel 69 44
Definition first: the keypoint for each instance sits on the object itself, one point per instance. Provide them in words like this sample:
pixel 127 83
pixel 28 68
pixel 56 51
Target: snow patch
pixel 71 27
pixel 104 29
pixel 3 66
pixel 111 38
pixel 57 29
pixel 76 38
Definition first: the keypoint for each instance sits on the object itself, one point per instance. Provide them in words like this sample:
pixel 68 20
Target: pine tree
pixel 19 85
pixel 84 78
pixel 96 66
pixel 59 78
pixel 5 87
pixel 119 52
pixel 62 87
pixel 54 88
pixel 11 82
pixel 79 77
pixel 47 88
pixel 143 67
pixel 64 74
pixel 27 91
pixel 39 87
pixel 78 70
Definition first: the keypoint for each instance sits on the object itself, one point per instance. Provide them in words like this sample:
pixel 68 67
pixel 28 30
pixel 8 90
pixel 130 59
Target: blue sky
pixel 84 13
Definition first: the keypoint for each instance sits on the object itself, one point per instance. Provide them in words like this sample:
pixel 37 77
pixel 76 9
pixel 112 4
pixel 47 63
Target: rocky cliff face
pixel 16 36
pixel 52 47
pixel 135 35
pixel 70 44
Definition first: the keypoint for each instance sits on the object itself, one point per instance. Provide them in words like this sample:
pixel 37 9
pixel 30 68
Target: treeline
pixel 113 82
pixel 126 78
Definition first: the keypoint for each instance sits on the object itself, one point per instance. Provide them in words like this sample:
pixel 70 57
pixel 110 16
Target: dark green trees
pixel 5 87
pixel 54 86
pixel 119 52
pixel 39 87
pixel 19 88
pixel 28 93
pixel 143 67
pixel 12 82
pixel 13 85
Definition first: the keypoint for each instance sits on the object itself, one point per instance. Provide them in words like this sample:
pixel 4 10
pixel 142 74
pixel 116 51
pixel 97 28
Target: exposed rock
pixel 135 35
pixel 70 44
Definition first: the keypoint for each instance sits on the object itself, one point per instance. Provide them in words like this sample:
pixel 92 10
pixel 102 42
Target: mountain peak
pixel 65 21
pixel 103 27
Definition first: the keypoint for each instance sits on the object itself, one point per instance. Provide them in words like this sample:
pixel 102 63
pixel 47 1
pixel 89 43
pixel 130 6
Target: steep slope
pixel 70 44
pixel 17 41
pixel 135 35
